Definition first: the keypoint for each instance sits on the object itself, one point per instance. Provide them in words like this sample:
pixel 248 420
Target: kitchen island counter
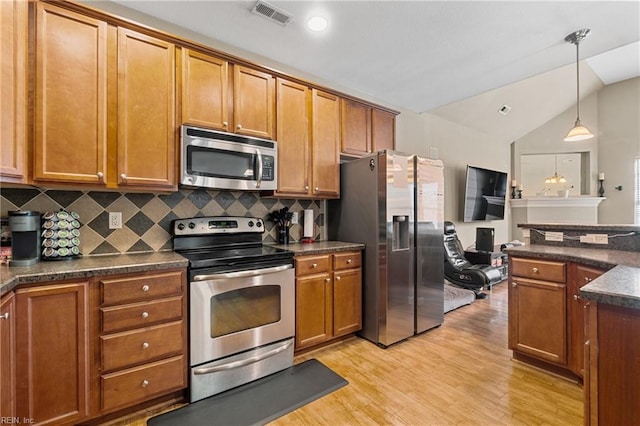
pixel 620 285
pixel 46 271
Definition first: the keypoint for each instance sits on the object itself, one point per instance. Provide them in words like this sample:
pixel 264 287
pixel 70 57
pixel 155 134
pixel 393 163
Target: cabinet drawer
pixel 141 314
pixel 129 387
pixel 312 264
pixel 347 260
pixel 135 347
pixel 143 287
pixel 539 269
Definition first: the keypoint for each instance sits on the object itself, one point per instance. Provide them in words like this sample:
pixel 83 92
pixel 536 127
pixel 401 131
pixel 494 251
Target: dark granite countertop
pixel 46 271
pixel 580 227
pixel 320 247
pixel 620 285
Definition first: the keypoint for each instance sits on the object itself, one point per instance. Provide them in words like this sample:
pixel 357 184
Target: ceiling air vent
pixel 271 12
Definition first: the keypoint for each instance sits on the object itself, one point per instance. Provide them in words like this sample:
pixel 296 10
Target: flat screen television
pixel 485 193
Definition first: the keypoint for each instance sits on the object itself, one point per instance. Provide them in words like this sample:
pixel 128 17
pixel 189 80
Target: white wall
pixel 457 146
pixel 619 144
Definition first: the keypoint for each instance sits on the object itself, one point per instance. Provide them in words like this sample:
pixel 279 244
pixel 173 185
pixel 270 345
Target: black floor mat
pixel 258 402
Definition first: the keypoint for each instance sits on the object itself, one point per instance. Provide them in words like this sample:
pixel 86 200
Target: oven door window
pixel 220 163
pixel 244 309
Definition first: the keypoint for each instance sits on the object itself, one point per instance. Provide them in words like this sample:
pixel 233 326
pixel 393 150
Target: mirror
pixel 535 169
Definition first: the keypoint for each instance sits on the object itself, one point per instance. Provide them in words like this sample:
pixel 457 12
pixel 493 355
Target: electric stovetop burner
pixel 226 243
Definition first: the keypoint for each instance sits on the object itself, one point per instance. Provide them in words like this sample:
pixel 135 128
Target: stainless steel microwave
pixel 219 160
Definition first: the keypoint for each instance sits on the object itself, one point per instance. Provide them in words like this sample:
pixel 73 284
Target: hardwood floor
pixel 460 373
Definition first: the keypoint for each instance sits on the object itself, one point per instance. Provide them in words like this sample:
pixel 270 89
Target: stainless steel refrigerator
pixel 394 204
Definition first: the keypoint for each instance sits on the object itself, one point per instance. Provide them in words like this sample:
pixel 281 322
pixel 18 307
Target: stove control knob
pixel 259 224
pixel 181 226
pixel 192 225
pixel 250 223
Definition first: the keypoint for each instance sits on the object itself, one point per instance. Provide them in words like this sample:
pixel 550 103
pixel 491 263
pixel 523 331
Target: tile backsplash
pixel 147 217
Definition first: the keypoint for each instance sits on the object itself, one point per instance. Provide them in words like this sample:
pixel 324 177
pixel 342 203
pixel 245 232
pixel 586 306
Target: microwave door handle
pixel 259 180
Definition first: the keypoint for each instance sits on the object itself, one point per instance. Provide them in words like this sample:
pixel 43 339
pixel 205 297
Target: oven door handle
pixel 242 274
pixel 242 363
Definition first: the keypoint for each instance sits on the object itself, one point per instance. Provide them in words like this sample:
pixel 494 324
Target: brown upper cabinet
pixel 104 104
pixel 308 123
pixel 366 129
pixel 325 144
pixel 206 84
pixel 13 87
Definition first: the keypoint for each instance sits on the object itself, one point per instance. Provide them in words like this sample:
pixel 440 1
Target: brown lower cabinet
pixel 328 297
pixel 612 365
pixel 87 348
pixel 546 326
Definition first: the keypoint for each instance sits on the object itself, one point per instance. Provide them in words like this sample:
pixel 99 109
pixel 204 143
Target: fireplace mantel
pixel 576 210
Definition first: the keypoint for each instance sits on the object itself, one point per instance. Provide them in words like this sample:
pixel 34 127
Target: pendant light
pixel 579 132
pixel 555 178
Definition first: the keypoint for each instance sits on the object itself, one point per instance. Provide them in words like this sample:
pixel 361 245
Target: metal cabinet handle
pixel 145 288
pixel 100 175
pixel 225 124
pixel 338 278
pixel 239 126
pixel 5 316
pixel 145 315
pixel 514 284
pixel 145 345
pixel 587 279
pixel 576 297
pixel 326 280
pixel 314 265
pixel 306 187
pixel 144 383
pixel 535 270
pixel 123 176
pixel 317 189
pixel 348 260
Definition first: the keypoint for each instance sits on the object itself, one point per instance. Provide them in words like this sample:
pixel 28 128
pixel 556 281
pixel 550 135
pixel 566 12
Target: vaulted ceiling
pixel 421 55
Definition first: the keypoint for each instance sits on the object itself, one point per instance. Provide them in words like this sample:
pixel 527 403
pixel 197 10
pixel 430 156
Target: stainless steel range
pixel 241 302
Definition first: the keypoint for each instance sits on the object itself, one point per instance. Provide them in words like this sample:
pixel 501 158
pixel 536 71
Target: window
pixel 637 192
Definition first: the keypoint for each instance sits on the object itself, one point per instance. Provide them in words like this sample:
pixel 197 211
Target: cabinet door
pixel 13 90
pixel 356 128
pixel 53 352
pixel 325 145
pixel 538 319
pixel 70 97
pixel 313 310
pixel 347 302
pixel 253 102
pixel 383 130
pixel 146 123
pixel 293 138
pixel 8 356
pixel 204 90
pixel 580 275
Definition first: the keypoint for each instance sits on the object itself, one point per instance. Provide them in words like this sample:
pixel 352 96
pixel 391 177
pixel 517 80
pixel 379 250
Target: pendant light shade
pixel 579 132
pixel 557 178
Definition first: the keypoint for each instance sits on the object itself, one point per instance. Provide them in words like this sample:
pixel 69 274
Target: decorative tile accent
pixel 139 223
pixel 147 217
pixel 19 197
pixel 104 198
pixel 139 199
pixel 64 198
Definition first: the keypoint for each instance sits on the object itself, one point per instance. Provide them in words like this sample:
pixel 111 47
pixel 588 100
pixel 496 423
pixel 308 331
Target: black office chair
pixel 460 271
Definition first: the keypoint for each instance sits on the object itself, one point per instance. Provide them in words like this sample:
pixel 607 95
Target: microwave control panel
pixel 267 168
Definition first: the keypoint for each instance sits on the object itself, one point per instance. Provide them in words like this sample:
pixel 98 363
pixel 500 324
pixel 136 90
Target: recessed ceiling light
pixel 317 23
